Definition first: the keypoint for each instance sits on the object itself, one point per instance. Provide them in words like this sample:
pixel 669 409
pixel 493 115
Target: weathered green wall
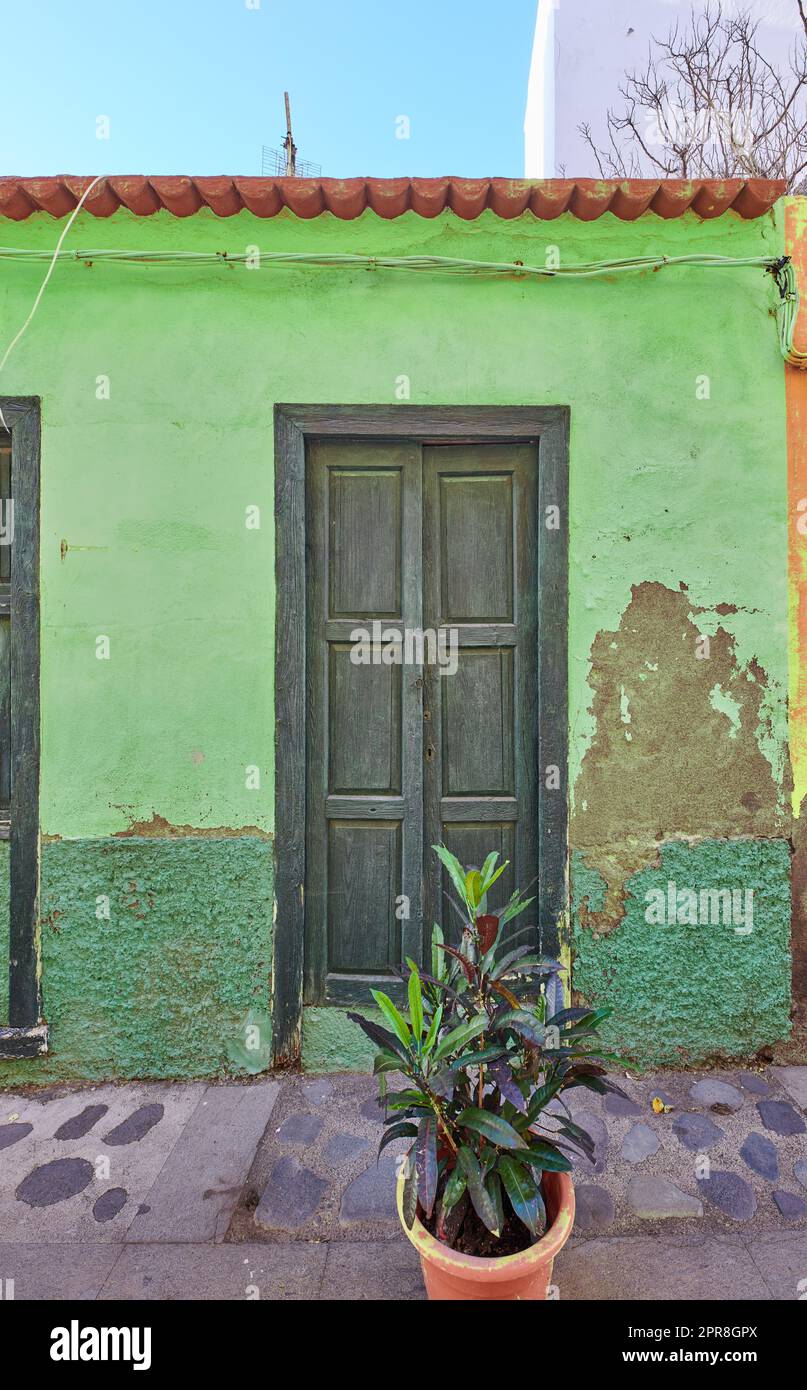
pixel 677 528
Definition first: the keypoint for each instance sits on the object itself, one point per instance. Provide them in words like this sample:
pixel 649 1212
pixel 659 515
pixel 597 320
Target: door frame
pixel 26 1034
pixel 295 425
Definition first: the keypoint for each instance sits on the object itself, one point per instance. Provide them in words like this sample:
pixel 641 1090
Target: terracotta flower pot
pixel 448 1274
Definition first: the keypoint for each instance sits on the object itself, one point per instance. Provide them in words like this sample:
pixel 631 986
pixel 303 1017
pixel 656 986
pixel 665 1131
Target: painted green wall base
pixel 683 993
pixel 158 989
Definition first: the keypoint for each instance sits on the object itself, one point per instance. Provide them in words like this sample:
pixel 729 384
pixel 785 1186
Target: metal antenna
pixel 284 162
pixel 288 144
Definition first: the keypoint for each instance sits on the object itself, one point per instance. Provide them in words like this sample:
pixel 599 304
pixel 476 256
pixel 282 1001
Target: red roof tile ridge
pixel 585 199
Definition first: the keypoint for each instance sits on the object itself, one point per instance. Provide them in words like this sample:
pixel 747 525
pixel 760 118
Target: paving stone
pixel 300 1129
pixel 318 1090
pixel 640 1142
pixel 753 1082
pixel 292 1195
pixel 696 1131
pixel 371 1196
pixel 730 1193
pixel 760 1154
pixel 709 1092
pixel 110 1203
pixel 800 1171
pixel 55 1182
pixel 594 1208
pixel 794 1080
pixel 12 1134
pixel 781 1117
pixel 790 1204
pixel 621 1106
pixel 81 1123
pixel 343 1147
pixel 596 1127
pixel 371 1110
pixel 654 1198
pixel 135 1126
pixel 199 1185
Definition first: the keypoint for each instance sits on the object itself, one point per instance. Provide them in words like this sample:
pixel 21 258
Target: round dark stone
pixel 790 1204
pixel 110 1203
pixel 760 1154
pixel 371 1110
pixel 730 1193
pixel 696 1132
pixel 751 1081
pixel 55 1182
pixel 81 1124
pixel 621 1106
pixel 343 1147
pixel 800 1170
pixel 135 1126
pixel 300 1129
pixel 781 1117
pixel 594 1208
pixel 13 1133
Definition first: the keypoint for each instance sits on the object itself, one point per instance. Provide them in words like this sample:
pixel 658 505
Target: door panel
pixel 364 798
pixel 399 757
pixel 480 579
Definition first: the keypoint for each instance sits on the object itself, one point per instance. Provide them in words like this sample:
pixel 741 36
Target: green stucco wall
pixel 677 527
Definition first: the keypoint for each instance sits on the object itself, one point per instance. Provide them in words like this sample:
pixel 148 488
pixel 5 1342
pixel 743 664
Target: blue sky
pixel 196 86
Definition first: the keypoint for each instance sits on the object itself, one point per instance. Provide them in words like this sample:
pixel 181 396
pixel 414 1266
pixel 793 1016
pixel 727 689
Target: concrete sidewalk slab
pixel 201 1180
pixel 658 1268
pixel 781 1259
pixel 56 1271
pixel 221 1272
pixel 51 1186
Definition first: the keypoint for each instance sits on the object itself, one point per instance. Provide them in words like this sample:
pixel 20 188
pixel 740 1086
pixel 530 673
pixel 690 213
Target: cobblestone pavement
pixel 271 1189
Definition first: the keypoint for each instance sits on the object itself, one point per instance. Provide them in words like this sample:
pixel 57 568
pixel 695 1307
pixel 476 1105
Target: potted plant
pixel 484 1191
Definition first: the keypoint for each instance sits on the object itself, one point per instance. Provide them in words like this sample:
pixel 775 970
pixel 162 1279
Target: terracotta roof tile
pixel 586 199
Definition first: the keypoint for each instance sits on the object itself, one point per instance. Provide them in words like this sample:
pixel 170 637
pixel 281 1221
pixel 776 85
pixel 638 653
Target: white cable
pixel 55 257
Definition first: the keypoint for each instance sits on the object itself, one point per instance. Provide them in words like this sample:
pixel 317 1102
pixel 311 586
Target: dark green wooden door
pixel 406 539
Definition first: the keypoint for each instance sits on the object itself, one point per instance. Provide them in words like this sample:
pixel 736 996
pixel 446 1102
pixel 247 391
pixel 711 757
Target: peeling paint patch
pixel 681 773
pixel 158 827
pixel 727 704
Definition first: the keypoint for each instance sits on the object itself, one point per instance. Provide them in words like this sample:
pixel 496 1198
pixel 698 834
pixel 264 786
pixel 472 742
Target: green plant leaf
pixel 473 889
pixel 454 1188
pixel 402 1129
pixel 454 867
pixel 380 1036
pixel 415 1004
pixel 438 959
pixel 459 1036
pixel 475 1059
pixel 525 1198
pixel 434 1029
pixel 478 1193
pixel 492 1127
pixel 488 883
pixel 410 1195
pixel 545 1156
pixel 493 1187
pixel 397 1022
pixel 525 1024
pixel 426 1163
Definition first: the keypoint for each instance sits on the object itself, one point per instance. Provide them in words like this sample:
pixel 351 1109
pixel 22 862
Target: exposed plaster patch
pixel 162 829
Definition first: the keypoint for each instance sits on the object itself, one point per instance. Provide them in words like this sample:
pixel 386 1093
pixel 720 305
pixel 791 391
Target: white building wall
pixel 581 52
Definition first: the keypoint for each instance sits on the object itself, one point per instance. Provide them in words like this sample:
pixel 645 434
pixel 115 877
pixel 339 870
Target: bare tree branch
pixel 710 104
